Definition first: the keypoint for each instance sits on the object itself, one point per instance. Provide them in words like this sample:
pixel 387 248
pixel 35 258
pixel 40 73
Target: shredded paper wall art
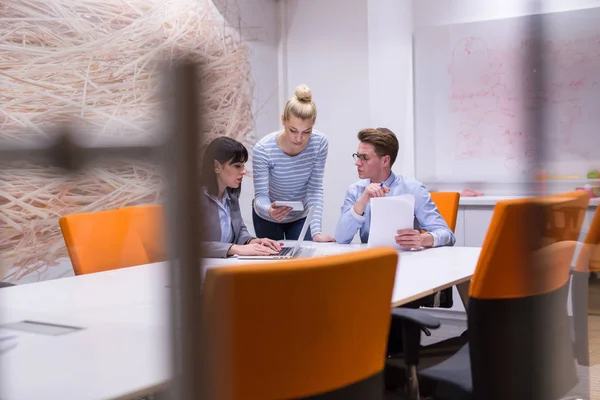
pixel 99 61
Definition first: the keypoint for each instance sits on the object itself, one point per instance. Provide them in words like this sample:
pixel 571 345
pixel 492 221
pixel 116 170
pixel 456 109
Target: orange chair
pixel 111 239
pixel 447 205
pixel 520 343
pixel 282 330
pixel 588 262
pixel 150 225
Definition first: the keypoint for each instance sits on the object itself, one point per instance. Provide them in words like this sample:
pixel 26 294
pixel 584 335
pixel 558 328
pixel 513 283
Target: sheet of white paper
pixel 388 215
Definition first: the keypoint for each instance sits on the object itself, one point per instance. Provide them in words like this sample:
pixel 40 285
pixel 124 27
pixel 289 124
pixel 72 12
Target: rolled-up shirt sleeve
pixel 260 173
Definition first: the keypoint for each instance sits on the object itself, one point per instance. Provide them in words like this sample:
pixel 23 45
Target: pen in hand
pixel 385 189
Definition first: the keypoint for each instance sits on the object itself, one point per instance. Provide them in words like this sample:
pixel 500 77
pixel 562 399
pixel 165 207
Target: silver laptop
pixel 290 251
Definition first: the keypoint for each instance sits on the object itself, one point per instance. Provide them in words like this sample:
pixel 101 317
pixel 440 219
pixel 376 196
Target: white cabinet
pixel 477 222
pixel 473 222
pixel 459 231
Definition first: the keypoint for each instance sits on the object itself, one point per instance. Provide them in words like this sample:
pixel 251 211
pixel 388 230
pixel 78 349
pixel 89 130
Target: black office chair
pixel 520 344
pixel 582 275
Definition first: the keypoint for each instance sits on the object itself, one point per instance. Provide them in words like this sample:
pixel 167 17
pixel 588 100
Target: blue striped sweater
pixel 280 177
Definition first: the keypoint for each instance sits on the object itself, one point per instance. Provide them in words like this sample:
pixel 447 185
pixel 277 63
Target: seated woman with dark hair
pixel 225 234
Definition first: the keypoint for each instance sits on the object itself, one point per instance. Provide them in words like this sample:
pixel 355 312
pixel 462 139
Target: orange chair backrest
pixel 111 239
pixel 447 205
pixel 291 329
pixel 149 223
pixel 515 260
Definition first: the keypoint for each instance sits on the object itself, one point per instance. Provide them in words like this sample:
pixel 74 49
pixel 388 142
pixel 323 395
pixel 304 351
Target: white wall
pixel 258 23
pixel 327 49
pixel 390 74
pixel 440 12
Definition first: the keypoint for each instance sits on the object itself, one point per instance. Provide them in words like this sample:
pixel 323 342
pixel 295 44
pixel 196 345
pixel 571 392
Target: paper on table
pixel 388 215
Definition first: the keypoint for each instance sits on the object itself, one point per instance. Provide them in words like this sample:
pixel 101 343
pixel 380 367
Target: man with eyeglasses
pixel 376 154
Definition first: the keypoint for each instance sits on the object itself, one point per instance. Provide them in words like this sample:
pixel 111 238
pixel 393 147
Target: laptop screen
pixel 309 216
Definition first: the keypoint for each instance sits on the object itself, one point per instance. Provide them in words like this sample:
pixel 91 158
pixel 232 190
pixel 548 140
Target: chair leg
pixel 413 383
pixel 411 338
pixel 579 305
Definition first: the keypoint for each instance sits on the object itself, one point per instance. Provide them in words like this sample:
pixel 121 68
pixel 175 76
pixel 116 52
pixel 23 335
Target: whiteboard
pixel 472 108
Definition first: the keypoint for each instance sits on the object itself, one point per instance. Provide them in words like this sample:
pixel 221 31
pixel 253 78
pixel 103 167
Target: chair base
pixel 395 380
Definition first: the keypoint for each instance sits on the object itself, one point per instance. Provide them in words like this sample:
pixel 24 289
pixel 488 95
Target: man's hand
pixel 413 239
pixel 321 237
pixel 373 190
pixel 272 244
pixel 279 213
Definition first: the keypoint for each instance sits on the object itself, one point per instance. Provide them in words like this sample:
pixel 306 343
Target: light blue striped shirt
pixel 426 213
pixel 224 216
pixel 280 177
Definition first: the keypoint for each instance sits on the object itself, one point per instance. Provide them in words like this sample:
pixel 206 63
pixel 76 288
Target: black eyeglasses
pixel 361 157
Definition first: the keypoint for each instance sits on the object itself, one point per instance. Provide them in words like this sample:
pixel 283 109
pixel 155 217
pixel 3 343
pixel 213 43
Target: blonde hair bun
pixel 303 94
pixel 301 105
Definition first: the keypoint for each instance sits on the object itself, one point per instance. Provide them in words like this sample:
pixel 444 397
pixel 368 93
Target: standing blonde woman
pixel 289 165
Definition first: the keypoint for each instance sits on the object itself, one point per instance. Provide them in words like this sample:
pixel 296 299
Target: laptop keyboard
pixel 285 251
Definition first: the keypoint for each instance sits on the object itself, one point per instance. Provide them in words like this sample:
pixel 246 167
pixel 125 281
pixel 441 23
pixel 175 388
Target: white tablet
pixel 296 205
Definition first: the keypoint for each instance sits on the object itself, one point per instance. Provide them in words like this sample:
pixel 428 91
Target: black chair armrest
pixel 416 316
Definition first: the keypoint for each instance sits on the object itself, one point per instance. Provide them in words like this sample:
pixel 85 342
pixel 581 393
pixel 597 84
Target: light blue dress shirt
pixel 224 216
pixel 426 213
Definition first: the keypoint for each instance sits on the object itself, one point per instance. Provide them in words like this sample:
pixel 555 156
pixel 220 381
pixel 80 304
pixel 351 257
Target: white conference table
pixel 124 349
pixel 419 273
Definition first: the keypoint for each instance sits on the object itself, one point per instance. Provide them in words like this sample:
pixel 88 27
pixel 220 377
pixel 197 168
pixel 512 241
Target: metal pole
pixel 534 94
pixel 66 153
pixel 185 230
